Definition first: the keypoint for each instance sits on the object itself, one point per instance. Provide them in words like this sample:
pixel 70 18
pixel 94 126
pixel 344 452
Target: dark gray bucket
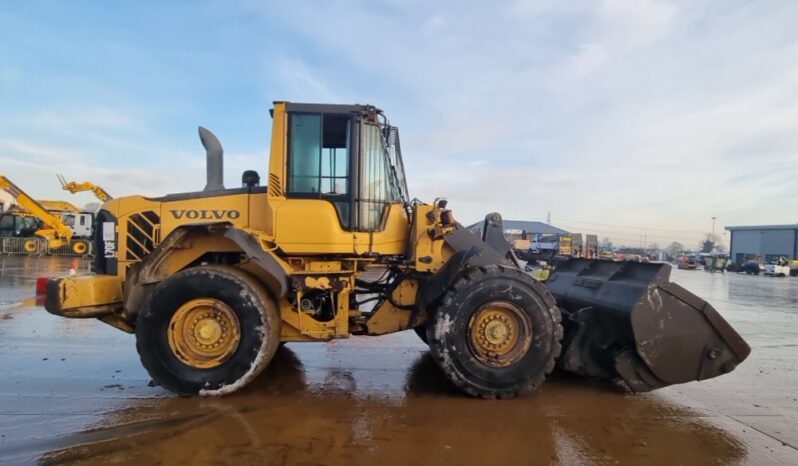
pixel 624 321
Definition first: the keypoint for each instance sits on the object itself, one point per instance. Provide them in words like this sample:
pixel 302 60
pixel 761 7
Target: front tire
pixel 30 246
pixel 496 332
pixel 207 330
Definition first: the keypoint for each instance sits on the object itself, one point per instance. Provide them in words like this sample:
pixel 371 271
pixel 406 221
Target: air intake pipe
pixel 214 160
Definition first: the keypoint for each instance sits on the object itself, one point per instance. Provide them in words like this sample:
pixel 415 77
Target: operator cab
pixel 80 223
pixel 17 226
pixel 347 155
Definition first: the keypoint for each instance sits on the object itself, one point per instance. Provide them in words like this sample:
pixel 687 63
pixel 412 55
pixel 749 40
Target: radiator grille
pixel 141 234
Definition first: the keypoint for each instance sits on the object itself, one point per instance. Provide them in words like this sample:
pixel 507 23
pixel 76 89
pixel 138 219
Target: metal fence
pixel 39 247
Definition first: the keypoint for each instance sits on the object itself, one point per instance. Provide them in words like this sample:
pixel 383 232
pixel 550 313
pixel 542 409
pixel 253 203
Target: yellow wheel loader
pixel 211 282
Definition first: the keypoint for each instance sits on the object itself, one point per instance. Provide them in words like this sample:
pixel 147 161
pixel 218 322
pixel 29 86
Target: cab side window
pixel 318 159
pixel 304 160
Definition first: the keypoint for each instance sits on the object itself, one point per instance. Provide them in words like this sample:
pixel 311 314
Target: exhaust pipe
pixel 214 155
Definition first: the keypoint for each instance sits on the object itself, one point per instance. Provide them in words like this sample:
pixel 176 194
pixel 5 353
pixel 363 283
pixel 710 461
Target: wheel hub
pixel 204 333
pixel 79 247
pixel 500 333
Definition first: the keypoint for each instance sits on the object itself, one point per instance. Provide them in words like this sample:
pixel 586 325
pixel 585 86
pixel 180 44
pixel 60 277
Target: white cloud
pixel 635 112
pixel 634 23
pixel 94 118
pixel 304 82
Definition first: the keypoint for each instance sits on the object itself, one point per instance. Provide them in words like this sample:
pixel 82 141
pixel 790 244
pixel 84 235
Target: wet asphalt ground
pixel 73 391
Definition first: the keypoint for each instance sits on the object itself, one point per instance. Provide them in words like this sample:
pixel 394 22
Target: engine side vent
pixel 274 185
pixel 142 232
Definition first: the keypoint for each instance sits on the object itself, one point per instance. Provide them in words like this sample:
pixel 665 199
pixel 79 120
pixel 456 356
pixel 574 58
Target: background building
pixel 522 229
pixel 763 242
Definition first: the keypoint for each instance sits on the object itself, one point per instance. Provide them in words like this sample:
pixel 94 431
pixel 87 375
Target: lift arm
pixel 74 187
pixel 57 228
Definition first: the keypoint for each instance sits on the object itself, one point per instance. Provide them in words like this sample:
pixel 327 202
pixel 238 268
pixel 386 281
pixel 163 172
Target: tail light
pixel 41 286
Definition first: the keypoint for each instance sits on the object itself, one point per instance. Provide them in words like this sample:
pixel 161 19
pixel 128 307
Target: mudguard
pixel 624 321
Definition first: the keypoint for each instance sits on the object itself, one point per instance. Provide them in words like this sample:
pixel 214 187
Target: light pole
pixel 713 232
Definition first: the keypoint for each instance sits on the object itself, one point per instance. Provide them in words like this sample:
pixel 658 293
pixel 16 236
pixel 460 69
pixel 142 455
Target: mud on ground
pixel 73 391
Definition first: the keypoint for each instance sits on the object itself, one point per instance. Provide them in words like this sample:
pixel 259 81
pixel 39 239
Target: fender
pixel 470 251
pixel 278 278
pixel 221 237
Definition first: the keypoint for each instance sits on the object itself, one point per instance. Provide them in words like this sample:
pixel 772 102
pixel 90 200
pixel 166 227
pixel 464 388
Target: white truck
pixel 779 268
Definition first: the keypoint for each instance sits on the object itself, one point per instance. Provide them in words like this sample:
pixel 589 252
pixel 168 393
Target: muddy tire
pixel 422 333
pixel 207 330
pixel 496 332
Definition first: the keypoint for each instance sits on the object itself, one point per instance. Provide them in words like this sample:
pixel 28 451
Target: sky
pixel 629 119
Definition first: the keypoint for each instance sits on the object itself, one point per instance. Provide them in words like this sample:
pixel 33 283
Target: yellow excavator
pixel 62 227
pixel 74 188
pixel 211 282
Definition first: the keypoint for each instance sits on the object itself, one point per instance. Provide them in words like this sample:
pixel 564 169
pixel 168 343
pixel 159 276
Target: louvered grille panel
pixel 141 234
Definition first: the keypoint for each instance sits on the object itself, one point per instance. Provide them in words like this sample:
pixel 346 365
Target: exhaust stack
pixel 214 160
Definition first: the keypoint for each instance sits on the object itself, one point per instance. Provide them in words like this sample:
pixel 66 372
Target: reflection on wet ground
pixel 74 392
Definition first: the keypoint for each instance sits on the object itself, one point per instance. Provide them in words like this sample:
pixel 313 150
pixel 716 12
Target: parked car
pixel 687 263
pixel 750 268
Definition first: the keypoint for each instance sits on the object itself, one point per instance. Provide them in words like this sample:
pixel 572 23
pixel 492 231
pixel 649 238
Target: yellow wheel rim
pixel 79 247
pixel 204 333
pixel 30 245
pixel 499 334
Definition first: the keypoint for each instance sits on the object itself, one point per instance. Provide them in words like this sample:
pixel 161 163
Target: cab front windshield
pixel 382 179
pixel 68 220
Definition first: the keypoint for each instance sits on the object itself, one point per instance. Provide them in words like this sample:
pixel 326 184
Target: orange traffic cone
pixel 73 267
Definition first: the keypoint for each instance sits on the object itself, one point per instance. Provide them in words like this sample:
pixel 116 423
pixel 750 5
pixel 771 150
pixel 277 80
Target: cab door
pixel 316 216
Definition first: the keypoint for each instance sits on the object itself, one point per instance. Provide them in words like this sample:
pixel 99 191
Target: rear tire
pixel 207 330
pixel 496 332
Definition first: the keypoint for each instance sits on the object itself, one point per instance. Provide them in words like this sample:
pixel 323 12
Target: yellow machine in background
pixel 565 246
pixel 58 207
pixel 521 244
pixel 212 281
pixel 61 224
pixel 74 188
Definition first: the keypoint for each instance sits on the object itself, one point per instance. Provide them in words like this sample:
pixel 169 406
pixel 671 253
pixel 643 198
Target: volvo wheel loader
pixel 211 282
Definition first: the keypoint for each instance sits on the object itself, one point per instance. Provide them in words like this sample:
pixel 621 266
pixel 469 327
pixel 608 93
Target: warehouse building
pixel 763 242
pixel 521 229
